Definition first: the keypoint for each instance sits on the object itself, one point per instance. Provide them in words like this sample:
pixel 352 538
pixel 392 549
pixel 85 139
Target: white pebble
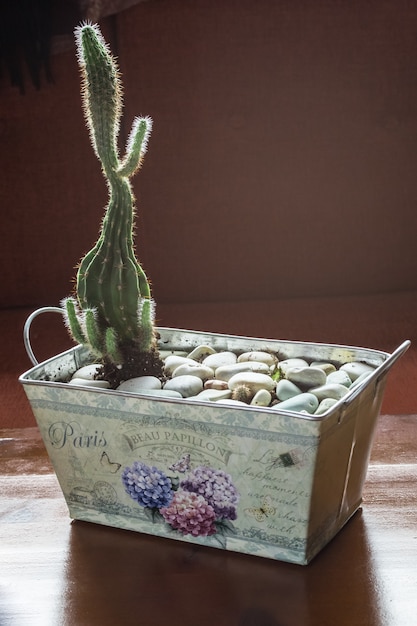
pixel 225 372
pixel 293 362
pixel 259 356
pixel 325 405
pixel 193 369
pixel 253 380
pixel 327 368
pixel 261 398
pixel 84 382
pixel 356 369
pixel 306 377
pixel 201 352
pixel 361 378
pixel 341 377
pixel 212 395
pixel 330 390
pixel 215 384
pixel 286 389
pixel 304 402
pixel 231 401
pixel 87 372
pixel 162 393
pixel 140 383
pixel 220 358
pixel 185 385
pixel 173 361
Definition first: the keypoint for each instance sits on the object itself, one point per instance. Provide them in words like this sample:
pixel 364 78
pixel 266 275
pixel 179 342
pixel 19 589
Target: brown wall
pixel 282 162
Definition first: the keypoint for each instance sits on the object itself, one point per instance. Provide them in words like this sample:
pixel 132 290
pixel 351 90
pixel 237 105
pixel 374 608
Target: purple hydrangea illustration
pixel 149 486
pixel 217 489
pixel 190 513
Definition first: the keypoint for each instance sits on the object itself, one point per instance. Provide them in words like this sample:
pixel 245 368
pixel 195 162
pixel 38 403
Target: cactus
pixel 242 393
pixel 113 312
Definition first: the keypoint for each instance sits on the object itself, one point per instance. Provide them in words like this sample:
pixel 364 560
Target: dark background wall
pixel 282 161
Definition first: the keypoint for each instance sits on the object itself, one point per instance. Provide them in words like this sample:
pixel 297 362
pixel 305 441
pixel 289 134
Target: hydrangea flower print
pixel 190 513
pixel 149 486
pixel 217 489
pixel 204 503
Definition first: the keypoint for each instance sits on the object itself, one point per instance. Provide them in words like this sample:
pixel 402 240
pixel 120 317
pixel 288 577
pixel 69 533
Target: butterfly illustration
pixel 182 465
pixel 108 465
pixel 264 511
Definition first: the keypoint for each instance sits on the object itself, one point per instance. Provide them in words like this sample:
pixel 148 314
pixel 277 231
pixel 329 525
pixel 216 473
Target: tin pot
pixel 261 481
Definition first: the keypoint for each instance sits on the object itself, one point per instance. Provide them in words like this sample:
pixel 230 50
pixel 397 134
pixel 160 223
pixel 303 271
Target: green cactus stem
pixel 112 312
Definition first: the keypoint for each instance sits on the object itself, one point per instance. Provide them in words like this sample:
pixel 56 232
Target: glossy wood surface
pixel 56 572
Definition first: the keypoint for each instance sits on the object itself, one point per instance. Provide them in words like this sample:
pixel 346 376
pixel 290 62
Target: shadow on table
pixel 120 577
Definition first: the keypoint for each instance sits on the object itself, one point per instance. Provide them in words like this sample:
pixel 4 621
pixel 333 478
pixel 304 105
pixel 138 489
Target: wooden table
pixel 56 572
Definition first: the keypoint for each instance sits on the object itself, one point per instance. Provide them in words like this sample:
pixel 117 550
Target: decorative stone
pixel 327 368
pixel 85 382
pixel 87 372
pixel 261 398
pixel 220 358
pixel 259 356
pixel 212 395
pixel 185 385
pixel 325 405
pixel 231 401
pixel 286 389
pixel 290 363
pixel 356 369
pixel 173 361
pixel 306 377
pixel 193 369
pixel 213 383
pixel 341 377
pixel 201 352
pixel 139 384
pixel 330 390
pixel 360 379
pixel 303 402
pixel 162 393
pixel 253 380
pixel 225 372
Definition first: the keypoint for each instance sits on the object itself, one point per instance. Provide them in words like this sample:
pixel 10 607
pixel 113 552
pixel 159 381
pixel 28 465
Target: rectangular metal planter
pixel 299 477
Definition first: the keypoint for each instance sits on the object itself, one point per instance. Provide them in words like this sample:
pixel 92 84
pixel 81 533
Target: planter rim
pixel 79 353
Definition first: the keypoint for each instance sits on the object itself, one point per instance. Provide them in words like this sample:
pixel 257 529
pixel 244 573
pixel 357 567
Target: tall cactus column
pixel 113 312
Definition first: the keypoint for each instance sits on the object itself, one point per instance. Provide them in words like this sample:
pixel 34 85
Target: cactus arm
pixel 136 146
pixel 112 345
pixel 92 331
pixel 146 315
pixel 71 318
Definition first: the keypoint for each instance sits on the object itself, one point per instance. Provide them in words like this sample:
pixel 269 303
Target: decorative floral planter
pixel 261 481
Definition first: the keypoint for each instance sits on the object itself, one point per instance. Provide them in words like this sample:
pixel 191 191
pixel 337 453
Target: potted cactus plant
pixel 269 458
pixel 113 312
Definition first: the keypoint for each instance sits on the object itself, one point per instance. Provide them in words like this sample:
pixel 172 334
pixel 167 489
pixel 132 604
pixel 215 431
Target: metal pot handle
pixel 382 371
pixel 28 323
pixel 393 358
